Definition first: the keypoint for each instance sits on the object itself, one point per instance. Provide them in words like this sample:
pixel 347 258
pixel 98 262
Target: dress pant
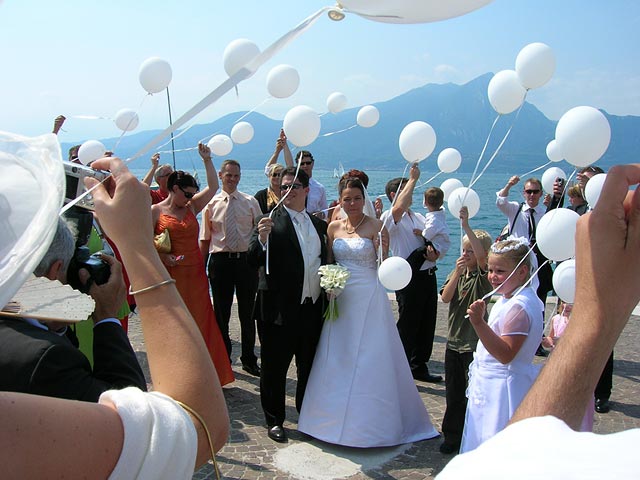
pixel 605 384
pixel 278 345
pixel 417 314
pixel 229 272
pixel 545 279
pixel 456 377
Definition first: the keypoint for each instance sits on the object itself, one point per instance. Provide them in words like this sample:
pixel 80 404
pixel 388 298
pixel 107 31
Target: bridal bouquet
pixel 333 278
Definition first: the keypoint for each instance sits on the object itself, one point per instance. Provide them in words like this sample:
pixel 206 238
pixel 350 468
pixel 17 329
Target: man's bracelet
pixel 152 287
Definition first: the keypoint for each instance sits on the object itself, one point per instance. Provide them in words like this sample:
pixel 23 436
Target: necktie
pixel 532 225
pixel 232 237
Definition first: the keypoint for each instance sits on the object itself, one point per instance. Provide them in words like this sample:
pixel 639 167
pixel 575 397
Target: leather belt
pixel 230 254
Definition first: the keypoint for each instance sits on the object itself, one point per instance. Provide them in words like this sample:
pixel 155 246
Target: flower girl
pixel 502 371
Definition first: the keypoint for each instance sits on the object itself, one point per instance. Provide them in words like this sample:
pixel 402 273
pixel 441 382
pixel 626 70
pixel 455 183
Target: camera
pixel 99 270
pixel 75 173
pixel 560 181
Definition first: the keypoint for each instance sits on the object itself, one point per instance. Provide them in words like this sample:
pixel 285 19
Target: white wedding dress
pixel 360 391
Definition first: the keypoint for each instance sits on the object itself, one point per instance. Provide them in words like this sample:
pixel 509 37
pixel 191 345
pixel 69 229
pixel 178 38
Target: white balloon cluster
pixel 535 65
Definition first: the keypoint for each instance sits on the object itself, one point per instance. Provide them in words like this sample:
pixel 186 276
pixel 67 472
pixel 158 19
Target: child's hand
pixel 461 266
pixel 476 312
pixel 547 342
pixel 464 216
pixel 417 231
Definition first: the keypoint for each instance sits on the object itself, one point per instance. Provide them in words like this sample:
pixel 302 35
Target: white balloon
pixel 301 124
pixel 449 160
pixel 220 145
pixel 394 273
pixel 505 92
pixel 411 11
pixel 535 65
pixel 282 81
pixel 336 102
pixel 155 74
pixel 593 189
pixel 553 151
pixel 417 141
pixel 126 119
pixel 583 135
pixel 556 234
pixel 549 177
pixel 564 281
pixel 455 201
pixel 368 116
pixel 242 132
pixel 449 186
pixel 91 150
pixel 238 54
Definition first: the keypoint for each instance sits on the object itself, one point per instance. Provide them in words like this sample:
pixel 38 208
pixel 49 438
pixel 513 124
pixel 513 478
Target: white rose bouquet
pixel 333 278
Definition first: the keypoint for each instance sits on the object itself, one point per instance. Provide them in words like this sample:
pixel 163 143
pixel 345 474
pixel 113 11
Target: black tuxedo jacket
pixel 36 361
pixel 279 293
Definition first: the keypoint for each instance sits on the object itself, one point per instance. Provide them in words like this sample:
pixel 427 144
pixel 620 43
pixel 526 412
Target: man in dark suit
pixel 40 359
pixel 290 303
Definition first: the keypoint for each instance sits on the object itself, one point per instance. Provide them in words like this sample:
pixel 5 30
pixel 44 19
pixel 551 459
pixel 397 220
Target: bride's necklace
pixel 346 226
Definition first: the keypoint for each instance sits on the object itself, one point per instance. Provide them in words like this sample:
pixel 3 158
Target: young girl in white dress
pixel 502 371
pixel 361 392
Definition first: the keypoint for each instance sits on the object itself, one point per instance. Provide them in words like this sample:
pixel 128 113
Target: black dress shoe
pixel 449 448
pixel 252 369
pixel 602 405
pixel 427 377
pixel 277 434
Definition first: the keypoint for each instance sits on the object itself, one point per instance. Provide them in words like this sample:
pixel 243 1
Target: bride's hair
pixel 350 182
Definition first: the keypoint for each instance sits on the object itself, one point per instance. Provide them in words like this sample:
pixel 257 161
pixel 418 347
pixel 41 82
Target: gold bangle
pixel 152 287
pixel 206 430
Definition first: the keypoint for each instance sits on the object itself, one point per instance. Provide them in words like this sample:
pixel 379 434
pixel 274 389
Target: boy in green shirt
pixel 467 283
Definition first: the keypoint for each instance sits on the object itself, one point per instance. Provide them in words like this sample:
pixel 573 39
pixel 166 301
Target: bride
pixel 360 391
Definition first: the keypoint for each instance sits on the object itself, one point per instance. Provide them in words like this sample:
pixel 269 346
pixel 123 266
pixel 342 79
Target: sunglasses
pixel 532 192
pixel 187 194
pixel 306 163
pixel 291 186
pixel 275 175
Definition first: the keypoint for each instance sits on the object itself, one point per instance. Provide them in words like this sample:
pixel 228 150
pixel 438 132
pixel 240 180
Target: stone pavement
pixel 250 454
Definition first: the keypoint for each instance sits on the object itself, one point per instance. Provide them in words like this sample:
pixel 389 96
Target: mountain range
pixel 460 115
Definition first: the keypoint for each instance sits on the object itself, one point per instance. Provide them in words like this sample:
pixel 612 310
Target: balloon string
pixel 475 170
pixel 338 131
pixel 431 179
pixel 534 170
pixel 497 149
pixel 242 74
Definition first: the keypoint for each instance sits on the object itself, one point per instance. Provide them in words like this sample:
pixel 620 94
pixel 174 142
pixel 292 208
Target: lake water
pixel 488 218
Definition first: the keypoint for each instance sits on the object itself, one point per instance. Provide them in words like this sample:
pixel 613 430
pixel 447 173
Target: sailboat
pixel 338 172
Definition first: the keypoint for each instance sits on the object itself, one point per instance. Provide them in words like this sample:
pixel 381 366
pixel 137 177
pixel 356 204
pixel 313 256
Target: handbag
pixel 162 242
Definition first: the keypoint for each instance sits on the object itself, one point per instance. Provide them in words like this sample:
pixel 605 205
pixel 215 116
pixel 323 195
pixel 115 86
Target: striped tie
pixel 232 237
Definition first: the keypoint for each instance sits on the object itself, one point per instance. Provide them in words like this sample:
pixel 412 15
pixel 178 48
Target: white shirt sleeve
pixel 546 444
pixel 160 440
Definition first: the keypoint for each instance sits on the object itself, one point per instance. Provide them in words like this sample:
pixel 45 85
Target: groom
pixel 290 303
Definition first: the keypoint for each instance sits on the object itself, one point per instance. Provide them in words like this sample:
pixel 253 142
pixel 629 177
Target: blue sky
pixel 81 57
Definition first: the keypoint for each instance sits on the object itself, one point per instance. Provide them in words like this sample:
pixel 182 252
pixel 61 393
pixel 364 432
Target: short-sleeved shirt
pixel 461 336
pixel 157 196
pixel 247 210
pixel 317 198
pixel 402 240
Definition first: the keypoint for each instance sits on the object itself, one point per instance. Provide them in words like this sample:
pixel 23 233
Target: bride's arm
pixel 381 233
pixel 331 231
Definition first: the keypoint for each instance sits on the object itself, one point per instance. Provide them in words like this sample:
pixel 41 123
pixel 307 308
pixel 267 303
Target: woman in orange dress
pixel 185 264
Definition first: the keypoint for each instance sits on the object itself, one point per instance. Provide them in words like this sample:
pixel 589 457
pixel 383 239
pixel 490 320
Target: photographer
pixel 38 358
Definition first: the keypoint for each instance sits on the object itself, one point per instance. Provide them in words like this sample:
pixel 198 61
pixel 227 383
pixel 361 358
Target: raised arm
pixel 476 245
pixel 288 158
pixel 179 363
pixel 403 199
pixel 505 190
pixel 148 177
pixel 203 197
pixel 607 245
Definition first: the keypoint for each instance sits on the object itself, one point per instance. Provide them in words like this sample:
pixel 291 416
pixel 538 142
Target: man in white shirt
pixel 317 197
pixel 418 301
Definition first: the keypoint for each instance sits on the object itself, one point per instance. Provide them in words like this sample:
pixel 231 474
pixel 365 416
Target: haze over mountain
pixel 460 115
